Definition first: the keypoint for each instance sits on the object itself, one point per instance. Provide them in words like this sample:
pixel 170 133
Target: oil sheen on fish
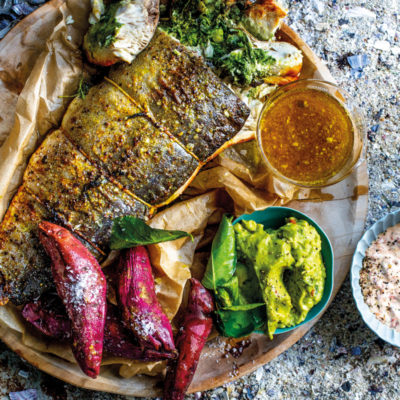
pixel 133 144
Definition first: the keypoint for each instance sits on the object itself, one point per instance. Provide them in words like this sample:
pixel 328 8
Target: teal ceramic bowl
pixel 274 217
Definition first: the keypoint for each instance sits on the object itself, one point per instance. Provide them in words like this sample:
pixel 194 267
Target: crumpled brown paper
pixel 41 65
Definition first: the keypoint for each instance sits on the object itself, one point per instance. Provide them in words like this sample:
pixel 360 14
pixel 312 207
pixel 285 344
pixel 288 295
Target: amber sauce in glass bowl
pixel 308 136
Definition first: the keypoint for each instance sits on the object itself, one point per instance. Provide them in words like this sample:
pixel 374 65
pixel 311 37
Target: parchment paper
pixel 32 82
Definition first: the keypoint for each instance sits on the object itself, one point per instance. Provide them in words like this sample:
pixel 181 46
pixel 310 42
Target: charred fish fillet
pixel 133 144
pixel 77 192
pixel 25 268
pixel 183 95
pixel 115 133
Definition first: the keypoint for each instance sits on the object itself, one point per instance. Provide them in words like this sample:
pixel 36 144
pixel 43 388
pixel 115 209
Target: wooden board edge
pixel 42 362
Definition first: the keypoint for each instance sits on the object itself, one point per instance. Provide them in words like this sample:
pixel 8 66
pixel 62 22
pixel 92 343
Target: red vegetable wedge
pixel 191 339
pixel 81 285
pixel 118 341
pixel 48 315
pixel 141 310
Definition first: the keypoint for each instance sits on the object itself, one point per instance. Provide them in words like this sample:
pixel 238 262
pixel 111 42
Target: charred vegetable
pixel 191 339
pixel 119 342
pixel 81 285
pixel 120 31
pixel 263 17
pixel 141 310
pixel 49 316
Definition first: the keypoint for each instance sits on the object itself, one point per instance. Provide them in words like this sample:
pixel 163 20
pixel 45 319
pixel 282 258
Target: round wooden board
pixel 341 214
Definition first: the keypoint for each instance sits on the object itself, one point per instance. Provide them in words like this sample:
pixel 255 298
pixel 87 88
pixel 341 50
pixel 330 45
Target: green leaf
pixel 243 307
pixel 228 295
pixel 129 231
pixel 222 263
pixel 240 322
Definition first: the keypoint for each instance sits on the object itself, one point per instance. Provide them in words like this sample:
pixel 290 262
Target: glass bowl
pixel 354 157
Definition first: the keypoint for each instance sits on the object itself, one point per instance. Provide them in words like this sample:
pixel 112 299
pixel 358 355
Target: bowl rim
pixel 390 335
pixel 335 178
pixel 331 271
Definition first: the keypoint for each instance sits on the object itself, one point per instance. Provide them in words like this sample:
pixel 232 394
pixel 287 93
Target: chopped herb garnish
pixel 82 91
pixel 214 28
pixel 103 33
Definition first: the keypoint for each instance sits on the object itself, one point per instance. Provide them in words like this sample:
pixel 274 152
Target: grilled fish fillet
pixel 25 268
pixel 77 192
pixel 133 144
pixel 116 134
pixel 182 94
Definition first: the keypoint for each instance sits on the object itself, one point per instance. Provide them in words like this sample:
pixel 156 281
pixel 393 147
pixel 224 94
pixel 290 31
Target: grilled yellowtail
pixel 133 144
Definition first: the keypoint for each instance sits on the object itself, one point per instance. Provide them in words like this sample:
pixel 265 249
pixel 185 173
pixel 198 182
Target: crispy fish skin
pixel 24 266
pixel 73 188
pixel 115 133
pixel 183 95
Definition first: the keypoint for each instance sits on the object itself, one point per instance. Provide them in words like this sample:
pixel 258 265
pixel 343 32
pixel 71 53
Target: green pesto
pixel 103 33
pixel 215 29
pixel 289 268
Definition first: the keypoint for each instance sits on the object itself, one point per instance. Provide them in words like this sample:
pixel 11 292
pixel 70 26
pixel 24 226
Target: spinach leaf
pixel 129 231
pixel 222 263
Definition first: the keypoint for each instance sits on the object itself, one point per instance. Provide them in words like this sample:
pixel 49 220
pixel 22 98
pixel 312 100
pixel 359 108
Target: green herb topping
pixel 214 28
pixel 104 32
pixel 82 91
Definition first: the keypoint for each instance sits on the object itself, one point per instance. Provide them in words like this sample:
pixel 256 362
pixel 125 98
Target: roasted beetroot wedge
pixel 140 308
pixel 48 315
pixel 191 339
pixel 119 342
pixel 81 285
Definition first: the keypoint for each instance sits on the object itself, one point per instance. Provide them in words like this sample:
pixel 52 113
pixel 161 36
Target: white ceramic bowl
pixel 382 330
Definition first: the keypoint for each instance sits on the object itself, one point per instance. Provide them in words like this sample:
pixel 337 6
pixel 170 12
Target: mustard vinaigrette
pixel 307 135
